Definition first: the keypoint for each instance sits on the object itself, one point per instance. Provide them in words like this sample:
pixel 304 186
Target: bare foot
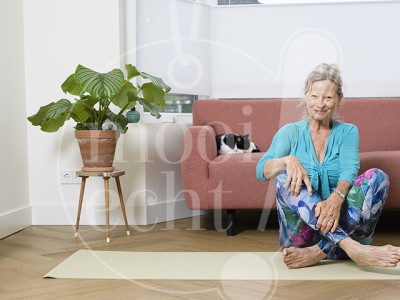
pixel 366 255
pixel 302 257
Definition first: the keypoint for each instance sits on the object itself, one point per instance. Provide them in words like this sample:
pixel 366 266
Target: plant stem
pixel 103 113
pixel 123 109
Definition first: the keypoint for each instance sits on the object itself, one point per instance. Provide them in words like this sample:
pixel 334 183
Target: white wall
pixel 15 211
pixel 59 35
pixel 163 173
pixel 267 51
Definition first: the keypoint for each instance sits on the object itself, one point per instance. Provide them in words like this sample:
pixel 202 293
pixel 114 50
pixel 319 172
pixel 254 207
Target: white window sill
pixel 306 2
pixel 182 118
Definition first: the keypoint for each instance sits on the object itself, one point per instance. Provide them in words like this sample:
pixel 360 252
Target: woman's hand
pixel 328 213
pixel 296 175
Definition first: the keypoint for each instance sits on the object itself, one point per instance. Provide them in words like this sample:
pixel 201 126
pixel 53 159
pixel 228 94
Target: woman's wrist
pixel 285 160
pixel 341 195
pixel 337 197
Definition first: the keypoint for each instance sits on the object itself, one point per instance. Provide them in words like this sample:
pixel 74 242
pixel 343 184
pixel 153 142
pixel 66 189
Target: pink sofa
pixel 228 182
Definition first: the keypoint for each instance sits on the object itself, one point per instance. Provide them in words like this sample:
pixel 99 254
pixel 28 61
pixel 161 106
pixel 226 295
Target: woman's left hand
pixel 328 213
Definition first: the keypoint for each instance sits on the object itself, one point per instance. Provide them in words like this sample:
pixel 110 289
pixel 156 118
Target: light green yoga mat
pixel 87 264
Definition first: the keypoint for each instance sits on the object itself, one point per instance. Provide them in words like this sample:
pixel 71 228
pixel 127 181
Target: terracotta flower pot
pixel 97 149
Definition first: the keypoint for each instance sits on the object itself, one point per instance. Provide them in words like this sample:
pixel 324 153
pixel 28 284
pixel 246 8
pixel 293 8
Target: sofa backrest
pixel 261 119
pixel 378 119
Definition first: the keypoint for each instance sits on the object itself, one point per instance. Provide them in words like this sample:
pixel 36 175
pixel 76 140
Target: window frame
pixel 303 2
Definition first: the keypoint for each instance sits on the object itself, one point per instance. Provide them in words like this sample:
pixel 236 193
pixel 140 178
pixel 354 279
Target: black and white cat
pixel 233 143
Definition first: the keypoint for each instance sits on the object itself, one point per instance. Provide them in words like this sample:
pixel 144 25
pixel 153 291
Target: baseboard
pixel 95 214
pixel 65 214
pixel 168 211
pixel 14 221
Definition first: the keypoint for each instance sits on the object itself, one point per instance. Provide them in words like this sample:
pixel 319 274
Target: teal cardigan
pixel 341 160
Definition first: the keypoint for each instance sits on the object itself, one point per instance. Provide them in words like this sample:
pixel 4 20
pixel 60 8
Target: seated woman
pixel 324 209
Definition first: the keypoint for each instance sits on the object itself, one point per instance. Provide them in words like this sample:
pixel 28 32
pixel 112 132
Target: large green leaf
pixel 90 100
pixel 153 94
pixel 53 125
pixel 52 116
pixel 70 86
pixel 156 81
pixel 103 85
pixel 127 97
pixel 150 107
pixel 131 71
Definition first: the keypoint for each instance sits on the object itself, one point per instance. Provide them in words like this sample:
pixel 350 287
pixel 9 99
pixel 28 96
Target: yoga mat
pixel 87 264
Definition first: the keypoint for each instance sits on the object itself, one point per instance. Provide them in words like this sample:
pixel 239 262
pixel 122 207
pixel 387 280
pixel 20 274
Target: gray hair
pixel 325 72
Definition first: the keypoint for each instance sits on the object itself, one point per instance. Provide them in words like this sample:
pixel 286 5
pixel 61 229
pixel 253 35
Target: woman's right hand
pixel 296 175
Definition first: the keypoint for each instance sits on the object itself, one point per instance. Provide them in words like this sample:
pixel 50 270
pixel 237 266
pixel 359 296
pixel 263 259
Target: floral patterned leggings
pixel 359 214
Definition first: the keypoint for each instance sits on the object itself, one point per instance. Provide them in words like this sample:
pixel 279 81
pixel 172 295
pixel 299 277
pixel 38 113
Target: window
pixel 179 103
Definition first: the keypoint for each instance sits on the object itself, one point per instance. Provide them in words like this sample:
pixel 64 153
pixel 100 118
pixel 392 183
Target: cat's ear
pixel 246 136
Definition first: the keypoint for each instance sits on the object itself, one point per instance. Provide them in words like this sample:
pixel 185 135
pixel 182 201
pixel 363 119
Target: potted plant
pixel 97 126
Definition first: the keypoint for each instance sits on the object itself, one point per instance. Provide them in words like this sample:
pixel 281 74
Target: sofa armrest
pixel 389 162
pixel 198 149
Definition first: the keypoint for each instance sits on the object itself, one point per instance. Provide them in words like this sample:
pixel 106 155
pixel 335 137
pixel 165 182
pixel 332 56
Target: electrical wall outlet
pixel 76 178
pixel 66 176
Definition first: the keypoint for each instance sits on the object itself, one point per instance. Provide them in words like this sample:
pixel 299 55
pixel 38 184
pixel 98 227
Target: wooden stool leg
pixel 78 217
pixel 121 200
pixel 106 188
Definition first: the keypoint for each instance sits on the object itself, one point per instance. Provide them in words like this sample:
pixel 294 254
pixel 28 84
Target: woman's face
pixel 322 100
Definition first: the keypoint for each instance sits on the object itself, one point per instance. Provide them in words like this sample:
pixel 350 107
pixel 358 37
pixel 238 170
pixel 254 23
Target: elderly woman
pixel 324 209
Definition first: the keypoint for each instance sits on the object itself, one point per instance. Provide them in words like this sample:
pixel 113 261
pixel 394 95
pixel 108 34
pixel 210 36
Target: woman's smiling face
pixel 322 100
